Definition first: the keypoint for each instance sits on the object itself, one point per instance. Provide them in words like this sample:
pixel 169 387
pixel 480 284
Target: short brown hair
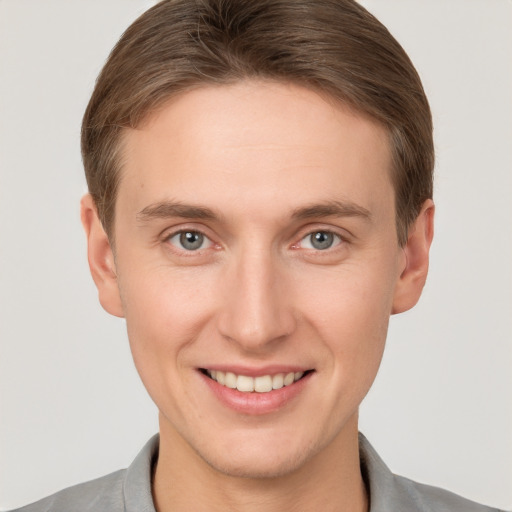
pixel 331 46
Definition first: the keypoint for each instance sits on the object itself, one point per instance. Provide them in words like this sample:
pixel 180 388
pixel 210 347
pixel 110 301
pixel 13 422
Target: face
pixel 257 265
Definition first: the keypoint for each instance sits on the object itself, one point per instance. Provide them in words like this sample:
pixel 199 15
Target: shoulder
pixel 127 490
pixel 429 499
pixel 392 492
pixel 105 493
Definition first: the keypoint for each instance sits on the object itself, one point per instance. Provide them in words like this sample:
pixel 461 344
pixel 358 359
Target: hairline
pixel 146 115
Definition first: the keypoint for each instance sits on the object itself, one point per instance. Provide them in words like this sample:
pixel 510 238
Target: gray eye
pixel 320 240
pixel 190 240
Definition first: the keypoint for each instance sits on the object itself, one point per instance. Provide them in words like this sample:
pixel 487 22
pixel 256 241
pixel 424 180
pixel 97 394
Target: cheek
pixel 353 297
pixel 351 316
pixel 161 302
pixel 165 312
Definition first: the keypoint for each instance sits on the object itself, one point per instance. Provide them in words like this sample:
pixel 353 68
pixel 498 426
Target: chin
pixel 260 467
pixel 254 461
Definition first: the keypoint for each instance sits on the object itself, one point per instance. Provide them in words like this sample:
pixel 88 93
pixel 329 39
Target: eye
pixel 190 240
pixel 320 240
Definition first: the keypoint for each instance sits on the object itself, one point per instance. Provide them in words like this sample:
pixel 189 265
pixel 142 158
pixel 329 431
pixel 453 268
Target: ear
pixel 101 258
pixel 416 253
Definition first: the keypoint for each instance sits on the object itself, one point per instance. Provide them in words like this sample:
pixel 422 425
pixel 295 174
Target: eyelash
pixel 337 240
pixel 184 232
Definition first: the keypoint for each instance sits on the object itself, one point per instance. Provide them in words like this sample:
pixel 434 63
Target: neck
pixel 330 481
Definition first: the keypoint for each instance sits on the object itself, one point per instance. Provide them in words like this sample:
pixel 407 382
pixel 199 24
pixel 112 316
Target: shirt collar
pixel 384 493
pixel 386 490
pixel 137 483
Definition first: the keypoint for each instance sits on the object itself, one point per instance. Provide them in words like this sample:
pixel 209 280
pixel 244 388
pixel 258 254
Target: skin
pixel 258 156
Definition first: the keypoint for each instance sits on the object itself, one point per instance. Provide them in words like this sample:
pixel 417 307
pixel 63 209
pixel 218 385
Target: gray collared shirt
pixel 129 490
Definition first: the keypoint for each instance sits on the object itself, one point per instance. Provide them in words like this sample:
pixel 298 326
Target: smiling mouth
pixel 261 384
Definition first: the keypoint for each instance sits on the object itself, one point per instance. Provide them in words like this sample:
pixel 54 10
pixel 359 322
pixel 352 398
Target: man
pixel 260 180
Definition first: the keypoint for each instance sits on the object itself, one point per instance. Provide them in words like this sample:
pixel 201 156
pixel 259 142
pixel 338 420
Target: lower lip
pixel 256 403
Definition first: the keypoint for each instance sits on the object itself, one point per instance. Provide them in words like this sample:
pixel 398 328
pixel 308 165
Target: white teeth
pixel 278 381
pixel 230 380
pixel 288 378
pixel 244 383
pixel 220 377
pixel 262 384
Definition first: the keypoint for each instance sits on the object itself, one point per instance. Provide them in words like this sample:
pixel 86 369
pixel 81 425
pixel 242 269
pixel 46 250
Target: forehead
pixel 266 140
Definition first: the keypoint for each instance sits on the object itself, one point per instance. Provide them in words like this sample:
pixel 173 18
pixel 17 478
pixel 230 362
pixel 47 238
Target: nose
pixel 257 311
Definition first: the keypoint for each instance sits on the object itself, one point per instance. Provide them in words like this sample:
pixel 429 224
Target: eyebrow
pixel 332 209
pixel 169 209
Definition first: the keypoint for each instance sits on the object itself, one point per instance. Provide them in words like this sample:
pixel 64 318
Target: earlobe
pixel 101 258
pixel 416 254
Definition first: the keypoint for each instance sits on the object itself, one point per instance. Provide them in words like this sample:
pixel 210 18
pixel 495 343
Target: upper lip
pixel 251 371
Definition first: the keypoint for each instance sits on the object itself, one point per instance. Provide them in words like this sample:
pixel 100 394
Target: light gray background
pixel 72 407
